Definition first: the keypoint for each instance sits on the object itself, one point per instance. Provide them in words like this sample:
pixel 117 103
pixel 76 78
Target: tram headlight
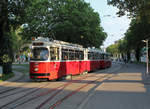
pixel 36 69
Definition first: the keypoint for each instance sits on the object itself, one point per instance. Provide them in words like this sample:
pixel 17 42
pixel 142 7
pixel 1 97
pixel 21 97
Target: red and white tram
pixel 55 59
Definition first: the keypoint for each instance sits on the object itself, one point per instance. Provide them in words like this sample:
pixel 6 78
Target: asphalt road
pixel 119 87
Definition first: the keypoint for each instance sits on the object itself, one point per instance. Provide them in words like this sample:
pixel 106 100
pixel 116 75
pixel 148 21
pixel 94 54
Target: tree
pixel 132 7
pixel 5 39
pixel 113 49
pixel 17 40
pixel 136 34
pixel 140 26
pixel 68 20
pixel 11 17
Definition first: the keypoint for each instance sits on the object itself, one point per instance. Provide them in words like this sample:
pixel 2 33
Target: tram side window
pixel 76 55
pixel 54 53
pixel 90 55
pixel 94 56
pixel 101 56
pixel 71 55
pixel 105 56
pixel 65 54
pixel 81 55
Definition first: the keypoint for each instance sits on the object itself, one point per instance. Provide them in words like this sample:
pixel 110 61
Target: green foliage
pixel 5 58
pixel 113 49
pixel 123 46
pixel 137 32
pixel 18 41
pixel 12 15
pixel 16 12
pixel 68 20
pixel 139 28
pixel 133 7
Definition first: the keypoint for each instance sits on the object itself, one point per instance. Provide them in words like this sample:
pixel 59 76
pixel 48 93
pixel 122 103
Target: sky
pixel 114 26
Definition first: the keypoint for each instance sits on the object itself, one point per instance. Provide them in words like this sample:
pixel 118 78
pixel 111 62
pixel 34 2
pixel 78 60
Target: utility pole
pixel 147 58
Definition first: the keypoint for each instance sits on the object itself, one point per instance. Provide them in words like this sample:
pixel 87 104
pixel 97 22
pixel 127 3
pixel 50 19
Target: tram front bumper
pixel 37 75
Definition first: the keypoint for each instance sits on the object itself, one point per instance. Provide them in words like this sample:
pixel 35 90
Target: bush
pixel 6 76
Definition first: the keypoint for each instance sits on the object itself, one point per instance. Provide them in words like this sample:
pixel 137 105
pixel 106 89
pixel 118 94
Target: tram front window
pixel 40 54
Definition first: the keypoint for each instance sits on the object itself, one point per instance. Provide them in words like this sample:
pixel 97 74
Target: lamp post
pixel 147 59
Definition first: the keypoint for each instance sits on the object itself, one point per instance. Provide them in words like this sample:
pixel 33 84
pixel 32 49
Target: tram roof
pixel 94 50
pixel 48 42
pixel 63 44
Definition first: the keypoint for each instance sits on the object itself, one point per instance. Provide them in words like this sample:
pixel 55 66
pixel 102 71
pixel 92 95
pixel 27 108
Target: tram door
pixel 73 66
pixel 55 63
pixel 81 62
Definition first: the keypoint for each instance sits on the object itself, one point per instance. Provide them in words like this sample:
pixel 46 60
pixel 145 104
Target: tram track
pixel 27 94
pixel 56 91
pixel 16 92
pixel 39 95
pixel 58 102
pixel 8 87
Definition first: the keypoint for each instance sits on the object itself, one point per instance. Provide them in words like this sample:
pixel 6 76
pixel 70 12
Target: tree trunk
pixel 137 54
pixel 128 56
pixel 3 25
pixel 5 40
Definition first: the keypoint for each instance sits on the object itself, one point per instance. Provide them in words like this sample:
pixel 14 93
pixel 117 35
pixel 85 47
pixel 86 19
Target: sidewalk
pixel 146 79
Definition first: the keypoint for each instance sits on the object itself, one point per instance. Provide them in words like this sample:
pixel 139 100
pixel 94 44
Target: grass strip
pixel 6 76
